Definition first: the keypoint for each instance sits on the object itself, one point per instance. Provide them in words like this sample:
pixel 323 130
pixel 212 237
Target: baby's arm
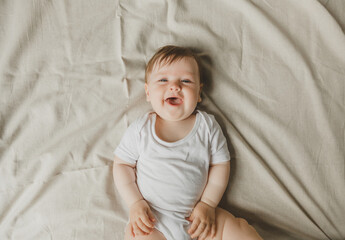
pixel 203 215
pixel 140 215
pixel 218 178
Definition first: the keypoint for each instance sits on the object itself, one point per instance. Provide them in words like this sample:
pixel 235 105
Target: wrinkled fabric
pixel 72 80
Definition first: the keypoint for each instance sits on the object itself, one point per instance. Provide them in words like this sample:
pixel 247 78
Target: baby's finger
pixel 199 230
pixel 213 230
pixel 146 220
pixel 191 217
pixel 143 227
pixel 151 216
pixel 194 226
pixel 137 230
pixel 132 231
pixel 205 233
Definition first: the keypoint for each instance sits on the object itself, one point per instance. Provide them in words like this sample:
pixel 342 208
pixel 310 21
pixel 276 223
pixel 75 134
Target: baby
pixel 172 165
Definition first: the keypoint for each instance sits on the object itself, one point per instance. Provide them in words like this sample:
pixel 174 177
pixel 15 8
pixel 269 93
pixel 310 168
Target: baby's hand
pixel 203 221
pixel 141 219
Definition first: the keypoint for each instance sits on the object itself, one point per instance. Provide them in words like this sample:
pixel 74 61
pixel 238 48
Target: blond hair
pixel 169 54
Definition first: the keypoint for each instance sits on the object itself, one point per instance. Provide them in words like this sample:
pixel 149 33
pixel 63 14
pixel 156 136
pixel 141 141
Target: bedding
pixel 72 80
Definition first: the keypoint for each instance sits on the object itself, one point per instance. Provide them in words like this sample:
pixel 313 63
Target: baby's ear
pixel 147 92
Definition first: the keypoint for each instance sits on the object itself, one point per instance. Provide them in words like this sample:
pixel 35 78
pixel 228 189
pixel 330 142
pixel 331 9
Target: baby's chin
pixel 174 117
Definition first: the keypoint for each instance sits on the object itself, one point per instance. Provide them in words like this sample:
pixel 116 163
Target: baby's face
pixel 174 89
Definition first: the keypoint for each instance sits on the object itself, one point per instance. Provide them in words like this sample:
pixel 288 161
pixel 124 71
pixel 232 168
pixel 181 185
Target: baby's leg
pixel 231 228
pixel 155 235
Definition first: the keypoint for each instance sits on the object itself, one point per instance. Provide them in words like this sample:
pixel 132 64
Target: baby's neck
pixel 172 131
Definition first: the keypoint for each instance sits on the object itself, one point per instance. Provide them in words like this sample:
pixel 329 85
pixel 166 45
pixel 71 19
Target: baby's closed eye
pixel 186 81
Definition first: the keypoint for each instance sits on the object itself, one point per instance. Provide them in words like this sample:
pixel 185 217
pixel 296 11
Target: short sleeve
pixel 128 149
pixel 219 148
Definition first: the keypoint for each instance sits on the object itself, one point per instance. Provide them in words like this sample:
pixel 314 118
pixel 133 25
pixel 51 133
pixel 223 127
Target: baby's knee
pixel 242 223
pixel 247 231
pixel 230 227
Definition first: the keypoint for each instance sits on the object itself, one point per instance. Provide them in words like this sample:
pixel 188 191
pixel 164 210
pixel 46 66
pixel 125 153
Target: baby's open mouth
pixel 174 100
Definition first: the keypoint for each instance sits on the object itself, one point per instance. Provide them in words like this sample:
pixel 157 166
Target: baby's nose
pixel 175 87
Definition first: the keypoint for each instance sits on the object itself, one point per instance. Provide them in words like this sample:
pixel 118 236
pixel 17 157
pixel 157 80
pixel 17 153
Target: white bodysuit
pixel 171 176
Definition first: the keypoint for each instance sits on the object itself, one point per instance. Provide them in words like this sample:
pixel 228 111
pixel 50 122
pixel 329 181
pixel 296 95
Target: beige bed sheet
pixel 71 80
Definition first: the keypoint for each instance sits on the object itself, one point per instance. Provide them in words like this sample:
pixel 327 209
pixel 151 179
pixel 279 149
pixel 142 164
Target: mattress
pixel 72 80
